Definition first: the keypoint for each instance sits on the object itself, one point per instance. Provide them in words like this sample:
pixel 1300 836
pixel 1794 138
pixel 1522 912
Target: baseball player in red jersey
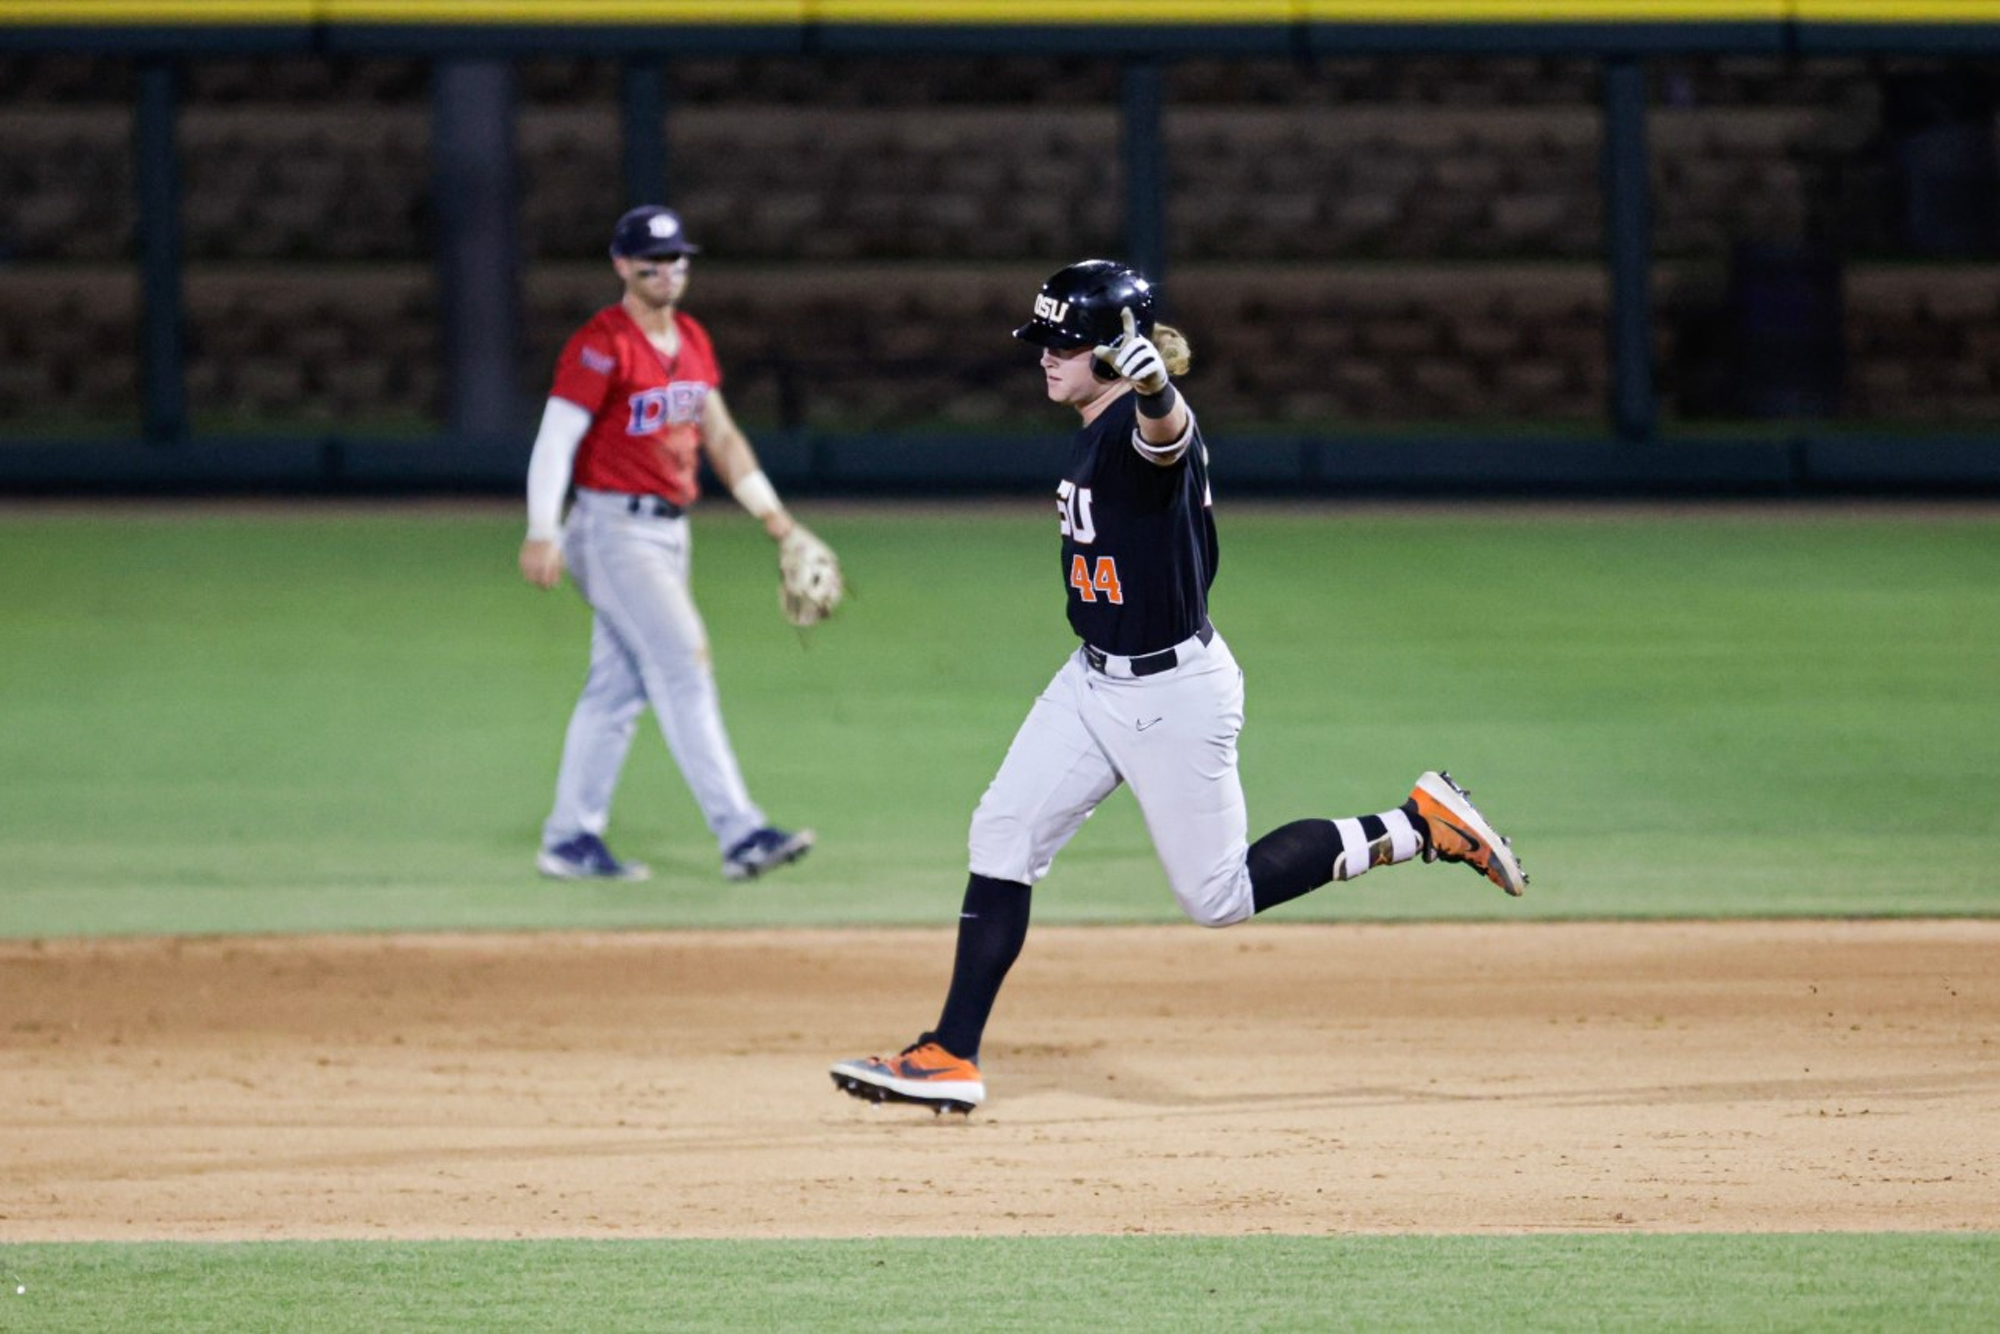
pixel 1152 698
pixel 637 399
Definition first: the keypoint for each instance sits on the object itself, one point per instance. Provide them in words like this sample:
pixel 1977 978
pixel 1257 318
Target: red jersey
pixel 645 407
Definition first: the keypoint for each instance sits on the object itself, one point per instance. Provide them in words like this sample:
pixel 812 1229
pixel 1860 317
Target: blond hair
pixel 1174 348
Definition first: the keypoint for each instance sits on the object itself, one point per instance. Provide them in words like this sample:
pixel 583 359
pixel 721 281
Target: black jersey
pixel 1139 550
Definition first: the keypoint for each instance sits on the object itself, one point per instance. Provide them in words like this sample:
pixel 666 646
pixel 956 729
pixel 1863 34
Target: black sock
pixel 1291 860
pixel 991 929
pixel 1418 823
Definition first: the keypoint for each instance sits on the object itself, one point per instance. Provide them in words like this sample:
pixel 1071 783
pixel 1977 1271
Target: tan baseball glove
pixel 809 582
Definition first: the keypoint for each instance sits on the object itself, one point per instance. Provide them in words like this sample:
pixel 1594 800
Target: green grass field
pixel 1804 1283
pixel 348 720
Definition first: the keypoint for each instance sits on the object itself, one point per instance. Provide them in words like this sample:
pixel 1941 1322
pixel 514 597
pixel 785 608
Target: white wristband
pixel 756 494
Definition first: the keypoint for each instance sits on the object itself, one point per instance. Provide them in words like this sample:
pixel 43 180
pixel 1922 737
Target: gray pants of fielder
pixel 647 646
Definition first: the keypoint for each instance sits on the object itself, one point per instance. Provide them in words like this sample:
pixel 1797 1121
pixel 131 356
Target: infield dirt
pixel 1281 1078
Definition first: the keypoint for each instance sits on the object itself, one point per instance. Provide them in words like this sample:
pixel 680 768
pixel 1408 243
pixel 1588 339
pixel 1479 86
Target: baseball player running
pixel 637 393
pixel 1152 698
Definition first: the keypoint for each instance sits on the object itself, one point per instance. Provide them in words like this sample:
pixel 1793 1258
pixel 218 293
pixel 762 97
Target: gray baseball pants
pixel 647 646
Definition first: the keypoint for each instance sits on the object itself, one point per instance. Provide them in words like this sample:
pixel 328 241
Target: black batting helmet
pixel 1080 306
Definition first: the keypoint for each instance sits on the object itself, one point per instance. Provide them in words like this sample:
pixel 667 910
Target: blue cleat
pixel 765 850
pixel 586 858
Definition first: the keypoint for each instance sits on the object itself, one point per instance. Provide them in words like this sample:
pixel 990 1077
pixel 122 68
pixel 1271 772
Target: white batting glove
pixel 1134 357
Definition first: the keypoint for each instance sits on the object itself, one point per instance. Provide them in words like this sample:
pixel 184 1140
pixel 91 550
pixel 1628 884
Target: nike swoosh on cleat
pixel 1475 840
pixel 921 1072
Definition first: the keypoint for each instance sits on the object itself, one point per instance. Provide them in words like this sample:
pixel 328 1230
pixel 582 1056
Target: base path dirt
pixel 1282 1078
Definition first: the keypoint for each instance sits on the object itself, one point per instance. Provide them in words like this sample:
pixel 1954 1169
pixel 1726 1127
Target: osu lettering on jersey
pixel 646 407
pixel 1139 549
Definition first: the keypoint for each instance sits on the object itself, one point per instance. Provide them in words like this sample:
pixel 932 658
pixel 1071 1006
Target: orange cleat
pixel 1459 833
pixel 924 1073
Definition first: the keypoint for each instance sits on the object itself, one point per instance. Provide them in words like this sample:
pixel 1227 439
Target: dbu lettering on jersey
pixel 1050 309
pixel 677 404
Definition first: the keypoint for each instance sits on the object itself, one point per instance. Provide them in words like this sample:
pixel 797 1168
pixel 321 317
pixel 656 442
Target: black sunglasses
pixel 649 270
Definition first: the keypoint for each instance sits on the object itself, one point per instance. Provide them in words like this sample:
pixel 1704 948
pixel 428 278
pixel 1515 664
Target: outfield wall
pixel 1097 26
pixel 1336 306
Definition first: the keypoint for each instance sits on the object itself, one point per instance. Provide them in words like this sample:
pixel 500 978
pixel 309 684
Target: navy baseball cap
pixel 648 232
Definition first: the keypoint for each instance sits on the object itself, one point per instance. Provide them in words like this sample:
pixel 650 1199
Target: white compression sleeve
pixel 563 427
pixel 756 494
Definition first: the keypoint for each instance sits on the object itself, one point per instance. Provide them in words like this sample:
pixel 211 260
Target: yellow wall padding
pixel 944 13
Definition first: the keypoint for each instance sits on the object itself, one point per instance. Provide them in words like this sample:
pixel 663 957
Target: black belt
pixel 1148 664
pixel 655 506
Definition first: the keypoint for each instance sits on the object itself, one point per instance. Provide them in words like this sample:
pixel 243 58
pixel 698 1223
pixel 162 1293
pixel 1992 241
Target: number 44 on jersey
pixel 1073 503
